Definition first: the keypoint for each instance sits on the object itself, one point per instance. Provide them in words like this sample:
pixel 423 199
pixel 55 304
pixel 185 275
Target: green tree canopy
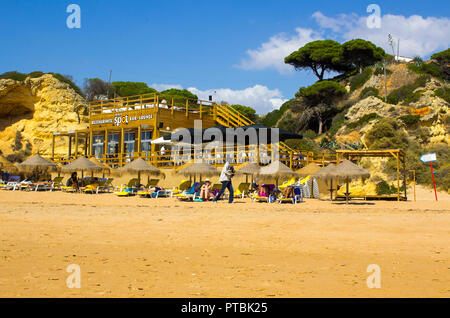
pixel 124 89
pixel 361 53
pixel 442 57
pixel 96 87
pixel 319 102
pixel 174 92
pixel 248 112
pixel 319 56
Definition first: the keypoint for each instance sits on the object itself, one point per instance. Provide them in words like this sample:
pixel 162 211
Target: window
pixel 113 144
pixel 129 144
pixel 98 146
pixel 146 139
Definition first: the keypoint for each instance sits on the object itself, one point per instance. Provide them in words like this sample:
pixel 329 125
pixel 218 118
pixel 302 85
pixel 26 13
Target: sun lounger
pixel 298 196
pixel 264 197
pixel 190 194
pixel 242 190
pixel 288 183
pixel 130 189
pixel 184 186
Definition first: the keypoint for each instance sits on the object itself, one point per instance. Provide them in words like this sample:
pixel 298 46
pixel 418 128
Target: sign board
pixel 429 157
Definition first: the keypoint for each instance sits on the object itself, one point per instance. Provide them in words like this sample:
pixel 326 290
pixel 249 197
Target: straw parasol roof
pixel 36 162
pixel 249 169
pixel 276 169
pixel 104 166
pixel 81 164
pixel 348 170
pixel 308 170
pixel 325 173
pixel 138 166
pixel 199 168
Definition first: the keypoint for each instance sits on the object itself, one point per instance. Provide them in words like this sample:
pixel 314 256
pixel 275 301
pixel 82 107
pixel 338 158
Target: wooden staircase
pixel 230 117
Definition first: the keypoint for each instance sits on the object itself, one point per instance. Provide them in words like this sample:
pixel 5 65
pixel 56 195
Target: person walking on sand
pixel 225 178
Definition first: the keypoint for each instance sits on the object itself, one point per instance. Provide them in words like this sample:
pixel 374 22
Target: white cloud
pixel 418 35
pixel 271 54
pixel 163 87
pixel 258 97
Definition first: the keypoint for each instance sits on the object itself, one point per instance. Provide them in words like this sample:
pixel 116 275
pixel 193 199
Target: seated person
pixel 255 185
pixel 73 181
pixel 264 191
pixel 288 192
pixel 205 190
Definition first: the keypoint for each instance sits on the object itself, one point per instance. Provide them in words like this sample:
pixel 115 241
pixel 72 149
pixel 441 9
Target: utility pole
pixel 385 81
pixel 109 84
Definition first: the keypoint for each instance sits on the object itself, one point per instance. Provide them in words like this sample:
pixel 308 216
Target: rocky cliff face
pixel 30 111
pixel 433 110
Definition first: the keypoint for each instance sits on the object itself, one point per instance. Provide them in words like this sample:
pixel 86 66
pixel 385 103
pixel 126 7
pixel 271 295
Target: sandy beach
pixel 133 247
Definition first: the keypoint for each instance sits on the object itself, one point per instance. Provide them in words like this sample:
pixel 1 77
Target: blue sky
pixel 231 49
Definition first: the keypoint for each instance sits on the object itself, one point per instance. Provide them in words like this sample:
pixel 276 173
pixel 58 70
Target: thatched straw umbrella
pixel 325 174
pixel 82 164
pixel 308 170
pixel 276 170
pixel 249 169
pixel 138 166
pixel 200 169
pixel 104 166
pixel 347 171
pixel 37 162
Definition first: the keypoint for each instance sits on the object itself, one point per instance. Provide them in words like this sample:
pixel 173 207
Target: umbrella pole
pixel 331 190
pixel 346 192
pixel 139 179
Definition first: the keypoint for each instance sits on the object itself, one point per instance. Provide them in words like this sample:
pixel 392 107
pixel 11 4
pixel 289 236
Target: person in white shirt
pixel 225 178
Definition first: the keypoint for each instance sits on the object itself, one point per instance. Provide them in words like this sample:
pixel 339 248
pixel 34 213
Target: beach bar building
pixel 122 129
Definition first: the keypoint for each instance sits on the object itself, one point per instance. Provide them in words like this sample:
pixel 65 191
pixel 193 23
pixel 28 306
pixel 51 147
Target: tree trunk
pixel 320 125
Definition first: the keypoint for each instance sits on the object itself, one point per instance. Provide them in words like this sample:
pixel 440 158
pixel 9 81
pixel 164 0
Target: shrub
pixel 379 70
pixel 406 92
pixel 443 93
pixel 427 69
pixel 360 79
pixel 66 79
pixel 36 74
pixel 383 188
pixel 363 120
pixel 387 134
pixel 410 120
pixel 368 91
pixel 14 75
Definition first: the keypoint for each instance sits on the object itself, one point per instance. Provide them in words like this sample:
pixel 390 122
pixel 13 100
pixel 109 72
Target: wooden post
pixel 76 144
pixel 91 138
pixel 70 146
pixel 105 146
pixel 290 159
pixel 187 107
pixel 139 141
pixel 122 144
pixel 404 177
pixel 172 106
pixel 86 144
pixel 53 147
pixel 398 177
pixel 201 110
